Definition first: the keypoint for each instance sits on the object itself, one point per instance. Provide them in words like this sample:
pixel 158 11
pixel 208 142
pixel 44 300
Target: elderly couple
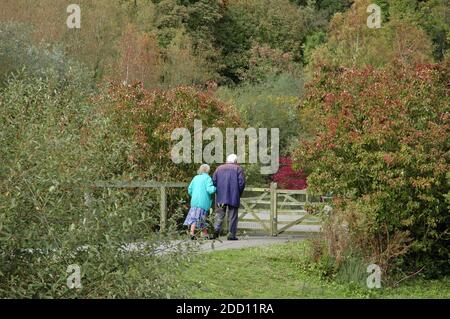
pixel 228 182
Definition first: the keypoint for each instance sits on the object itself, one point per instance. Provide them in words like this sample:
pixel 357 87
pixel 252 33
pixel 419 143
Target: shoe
pixel 193 237
pixel 232 238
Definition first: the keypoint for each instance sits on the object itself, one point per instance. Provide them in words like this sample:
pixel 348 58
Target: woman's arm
pixel 210 188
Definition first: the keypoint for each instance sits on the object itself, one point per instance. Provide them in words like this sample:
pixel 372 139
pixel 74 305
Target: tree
pixel 431 16
pixel 170 17
pixel 183 66
pixel 351 43
pixel 140 58
pixel 278 25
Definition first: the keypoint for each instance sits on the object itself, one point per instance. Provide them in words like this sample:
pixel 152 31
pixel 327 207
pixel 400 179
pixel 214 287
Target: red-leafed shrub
pixel 380 142
pixel 288 178
pixel 147 118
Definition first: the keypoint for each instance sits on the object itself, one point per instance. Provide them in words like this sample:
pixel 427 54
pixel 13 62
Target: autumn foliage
pixel 147 118
pixel 380 143
pixel 287 177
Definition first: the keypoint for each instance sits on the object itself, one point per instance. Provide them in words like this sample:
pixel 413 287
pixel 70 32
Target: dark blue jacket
pixel 230 182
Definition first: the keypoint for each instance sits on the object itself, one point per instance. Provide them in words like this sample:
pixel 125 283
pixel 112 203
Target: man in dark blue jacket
pixel 229 180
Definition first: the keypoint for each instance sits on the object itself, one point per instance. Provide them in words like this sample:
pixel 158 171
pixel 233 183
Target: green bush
pixel 55 143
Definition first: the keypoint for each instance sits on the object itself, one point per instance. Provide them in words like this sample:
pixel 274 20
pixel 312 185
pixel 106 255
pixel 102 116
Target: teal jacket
pixel 201 188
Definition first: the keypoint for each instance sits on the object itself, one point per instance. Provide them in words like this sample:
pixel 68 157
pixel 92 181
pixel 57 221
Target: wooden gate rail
pixel 280 201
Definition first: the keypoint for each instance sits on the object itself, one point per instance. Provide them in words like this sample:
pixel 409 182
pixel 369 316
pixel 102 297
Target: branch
pixel 396 284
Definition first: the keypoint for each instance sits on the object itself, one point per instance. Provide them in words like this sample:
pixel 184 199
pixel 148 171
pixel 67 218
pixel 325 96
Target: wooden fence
pixel 161 186
pixel 269 210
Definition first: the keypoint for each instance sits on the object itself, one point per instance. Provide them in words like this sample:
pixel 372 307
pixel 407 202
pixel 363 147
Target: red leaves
pixel 381 134
pixel 288 178
pixel 148 117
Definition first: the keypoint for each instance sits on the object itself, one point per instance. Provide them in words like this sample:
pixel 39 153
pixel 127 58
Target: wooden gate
pixel 269 210
pixel 274 211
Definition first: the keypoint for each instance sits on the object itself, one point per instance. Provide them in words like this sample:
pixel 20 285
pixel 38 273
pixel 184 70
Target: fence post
pixel 163 209
pixel 273 210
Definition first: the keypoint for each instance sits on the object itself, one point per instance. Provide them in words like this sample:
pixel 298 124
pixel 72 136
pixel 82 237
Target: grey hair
pixel 232 158
pixel 204 168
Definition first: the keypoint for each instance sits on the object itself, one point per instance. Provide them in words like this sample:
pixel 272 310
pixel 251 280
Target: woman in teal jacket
pixel 200 189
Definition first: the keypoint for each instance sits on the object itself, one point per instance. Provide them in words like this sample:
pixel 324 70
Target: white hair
pixel 204 168
pixel 232 158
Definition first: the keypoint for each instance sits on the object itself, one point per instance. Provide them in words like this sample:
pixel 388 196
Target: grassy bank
pixel 278 271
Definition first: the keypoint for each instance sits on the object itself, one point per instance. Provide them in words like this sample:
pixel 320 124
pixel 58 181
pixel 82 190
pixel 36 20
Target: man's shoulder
pixel 229 166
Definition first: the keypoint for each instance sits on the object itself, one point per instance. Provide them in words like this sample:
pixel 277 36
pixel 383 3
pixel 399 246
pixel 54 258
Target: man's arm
pixel 241 180
pixel 214 178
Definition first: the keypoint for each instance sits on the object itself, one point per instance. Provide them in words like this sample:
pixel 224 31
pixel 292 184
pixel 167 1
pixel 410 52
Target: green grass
pixel 278 271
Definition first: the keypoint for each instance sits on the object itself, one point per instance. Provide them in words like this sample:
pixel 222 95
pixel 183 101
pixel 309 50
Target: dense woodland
pixel 363 115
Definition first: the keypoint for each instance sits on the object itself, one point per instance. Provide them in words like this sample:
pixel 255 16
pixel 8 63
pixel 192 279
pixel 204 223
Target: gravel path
pixel 218 244
pixel 244 242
